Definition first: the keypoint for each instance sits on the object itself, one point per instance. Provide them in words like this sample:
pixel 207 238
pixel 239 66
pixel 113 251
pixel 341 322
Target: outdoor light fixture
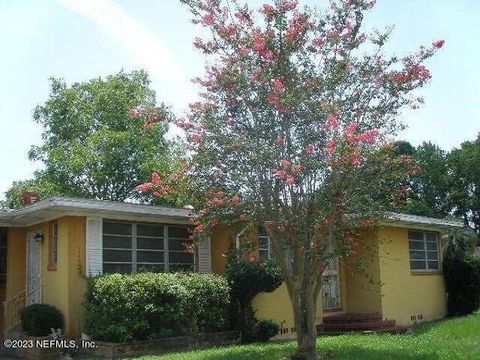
pixel 38 237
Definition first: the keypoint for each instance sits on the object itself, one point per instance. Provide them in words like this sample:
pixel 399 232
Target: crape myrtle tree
pixel 294 133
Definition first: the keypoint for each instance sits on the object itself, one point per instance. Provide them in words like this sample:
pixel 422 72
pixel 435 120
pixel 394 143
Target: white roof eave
pixel 56 207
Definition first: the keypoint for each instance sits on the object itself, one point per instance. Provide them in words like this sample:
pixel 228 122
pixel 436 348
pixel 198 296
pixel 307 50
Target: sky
pixel 82 39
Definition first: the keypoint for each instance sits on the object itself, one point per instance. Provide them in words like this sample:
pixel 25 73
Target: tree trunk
pixel 304 311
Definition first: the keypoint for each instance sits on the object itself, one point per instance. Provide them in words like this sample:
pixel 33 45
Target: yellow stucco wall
pixel 274 306
pixel 76 271
pixel 64 286
pixel 362 283
pixel 405 294
pixel 401 295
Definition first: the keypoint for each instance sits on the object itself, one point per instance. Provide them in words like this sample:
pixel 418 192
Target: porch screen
pixel 135 247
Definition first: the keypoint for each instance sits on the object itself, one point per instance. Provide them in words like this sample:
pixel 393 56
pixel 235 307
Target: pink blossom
pixel 227 31
pixel 196 105
pixel 350 131
pixel 356 157
pixel 273 99
pixel 332 122
pixel 318 42
pixel 256 74
pixel 144 187
pixel 285 164
pixel 214 222
pixel 369 136
pixel 259 42
pixel 234 201
pixel 420 71
pixel 137 111
pixel 290 180
pixel 156 179
pixel 200 228
pixel 208 19
pixel 278 85
pixel 288 5
pixel 243 17
pixel 268 10
pixel 297 168
pixel 331 144
pixel 439 43
pixel 310 149
pixel 195 138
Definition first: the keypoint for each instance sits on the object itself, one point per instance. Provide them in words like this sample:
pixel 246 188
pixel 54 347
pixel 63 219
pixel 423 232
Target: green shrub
pixel 264 330
pixel 209 300
pixel 123 308
pixel 462 281
pixel 461 271
pixel 248 277
pixel 38 319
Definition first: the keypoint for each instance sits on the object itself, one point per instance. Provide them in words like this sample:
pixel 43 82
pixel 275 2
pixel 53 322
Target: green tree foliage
pixel 430 184
pixel 92 146
pixel 462 272
pixel 464 196
pixel 13 196
pixel 247 277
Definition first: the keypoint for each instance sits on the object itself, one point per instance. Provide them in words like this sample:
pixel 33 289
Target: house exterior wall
pixel 274 306
pixel 402 294
pixel 64 286
pixel 405 293
pixel 362 289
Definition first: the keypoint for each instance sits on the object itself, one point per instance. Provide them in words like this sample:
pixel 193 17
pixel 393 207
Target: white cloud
pixel 131 35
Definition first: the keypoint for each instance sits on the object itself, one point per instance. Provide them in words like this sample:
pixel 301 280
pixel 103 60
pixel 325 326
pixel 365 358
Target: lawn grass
pixel 457 338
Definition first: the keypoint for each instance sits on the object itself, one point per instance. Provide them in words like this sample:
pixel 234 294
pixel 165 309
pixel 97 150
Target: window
pixel 131 247
pixel 53 247
pixel 264 246
pixel 423 248
pixel 265 251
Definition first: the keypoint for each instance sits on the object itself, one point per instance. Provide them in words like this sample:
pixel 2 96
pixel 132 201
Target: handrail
pixel 13 306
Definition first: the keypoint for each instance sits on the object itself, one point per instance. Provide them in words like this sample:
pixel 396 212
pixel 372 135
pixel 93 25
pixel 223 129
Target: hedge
pixel 127 307
pixel 39 319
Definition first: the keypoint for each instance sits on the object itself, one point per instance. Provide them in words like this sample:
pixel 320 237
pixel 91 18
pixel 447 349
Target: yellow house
pixel 49 247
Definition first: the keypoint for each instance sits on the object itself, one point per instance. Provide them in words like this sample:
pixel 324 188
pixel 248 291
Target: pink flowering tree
pixel 294 131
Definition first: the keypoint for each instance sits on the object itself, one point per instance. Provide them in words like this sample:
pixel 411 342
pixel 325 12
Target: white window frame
pixel 426 251
pixel 134 263
pixel 267 249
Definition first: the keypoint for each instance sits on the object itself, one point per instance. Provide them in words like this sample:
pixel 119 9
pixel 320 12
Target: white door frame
pixel 33 291
pixel 333 271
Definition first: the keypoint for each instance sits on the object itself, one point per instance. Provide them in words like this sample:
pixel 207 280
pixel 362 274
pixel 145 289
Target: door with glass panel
pixel 331 287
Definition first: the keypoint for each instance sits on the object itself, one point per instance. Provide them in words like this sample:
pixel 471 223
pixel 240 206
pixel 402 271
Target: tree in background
pixel 429 185
pixel 292 133
pixel 464 197
pixel 94 144
pixel 13 196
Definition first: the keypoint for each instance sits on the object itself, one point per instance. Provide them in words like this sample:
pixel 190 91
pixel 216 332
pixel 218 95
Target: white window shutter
pixel 94 249
pixel 205 256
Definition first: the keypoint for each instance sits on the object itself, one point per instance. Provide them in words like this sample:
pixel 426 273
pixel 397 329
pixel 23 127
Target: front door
pixel 34 285
pixel 331 287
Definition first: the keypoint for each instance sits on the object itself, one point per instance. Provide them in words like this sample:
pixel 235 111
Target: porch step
pixel 360 326
pixel 352 318
pixel 364 323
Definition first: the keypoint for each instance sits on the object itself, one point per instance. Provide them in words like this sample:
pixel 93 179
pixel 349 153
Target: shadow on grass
pixel 355 352
pixel 282 351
